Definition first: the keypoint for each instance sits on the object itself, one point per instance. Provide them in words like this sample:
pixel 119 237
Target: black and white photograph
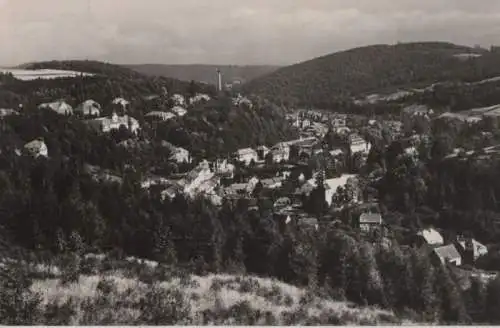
pixel 249 162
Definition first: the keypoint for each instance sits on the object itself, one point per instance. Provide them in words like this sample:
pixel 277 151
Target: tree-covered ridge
pixel 323 81
pixel 109 82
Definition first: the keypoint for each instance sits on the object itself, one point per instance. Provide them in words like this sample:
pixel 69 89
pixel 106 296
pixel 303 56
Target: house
pixel 308 223
pixel 89 108
pixel 280 152
pixel 358 144
pixel 247 155
pixel 60 107
pixel 199 97
pixel 180 155
pixel 429 237
pixel 7 112
pixel 159 115
pixel 106 124
pixel 272 183
pixel 179 111
pixel 282 202
pixel 339 122
pixel 470 249
pixel 37 148
pixel 121 102
pixel 153 181
pixel 240 100
pixel 370 221
pixel 447 254
pixel 178 99
pixel 224 168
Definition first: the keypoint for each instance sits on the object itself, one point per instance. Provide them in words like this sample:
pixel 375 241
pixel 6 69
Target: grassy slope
pixel 218 293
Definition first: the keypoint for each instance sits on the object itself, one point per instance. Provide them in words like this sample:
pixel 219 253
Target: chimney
pixel 219 80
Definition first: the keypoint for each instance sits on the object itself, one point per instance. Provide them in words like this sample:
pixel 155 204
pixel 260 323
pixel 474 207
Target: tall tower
pixel 219 80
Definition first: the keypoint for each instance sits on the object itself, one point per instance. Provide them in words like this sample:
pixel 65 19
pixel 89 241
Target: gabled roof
pixel 431 236
pixel 447 252
pixel 370 218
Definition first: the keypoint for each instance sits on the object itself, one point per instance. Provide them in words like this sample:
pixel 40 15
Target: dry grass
pixel 222 295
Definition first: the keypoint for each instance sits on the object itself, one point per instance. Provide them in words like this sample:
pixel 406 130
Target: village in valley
pixel 320 179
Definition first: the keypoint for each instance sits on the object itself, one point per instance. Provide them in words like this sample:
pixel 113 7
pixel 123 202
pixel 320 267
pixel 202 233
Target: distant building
pixel 358 144
pixel 7 112
pixel 447 254
pixel 106 124
pixel 470 249
pixel 37 148
pixel 60 107
pixel 160 115
pixel 178 100
pixel 247 155
pixel 179 111
pixel 180 155
pixel 199 97
pixel 370 221
pixel 89 108
pixel 121 102
pixel 430 237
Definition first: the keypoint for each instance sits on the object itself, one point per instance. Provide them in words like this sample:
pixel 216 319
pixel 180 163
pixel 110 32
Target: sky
pixel 238 32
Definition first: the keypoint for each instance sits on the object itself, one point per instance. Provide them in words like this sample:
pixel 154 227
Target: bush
pixel 18 305
pixel 60 315
pixel 164 307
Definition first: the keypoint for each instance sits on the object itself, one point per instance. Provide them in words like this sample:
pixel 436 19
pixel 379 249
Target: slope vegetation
pixel 127 292
pixel 323 81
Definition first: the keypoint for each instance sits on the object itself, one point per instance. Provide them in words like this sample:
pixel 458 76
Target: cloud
pixel 231 31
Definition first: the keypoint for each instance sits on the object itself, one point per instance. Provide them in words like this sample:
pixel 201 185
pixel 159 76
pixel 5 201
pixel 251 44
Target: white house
pixel 178 99
pixel 37 148
pixel 431 237
pixel 246 155
pixel 358 144
pixel 198 98
pixel 179 111
pixel 60 107
pixel 180 155
pixel 7 112
pixel 280 152
pixel 121 102
pixel 164 116
pixel 106 124
pixel 89 108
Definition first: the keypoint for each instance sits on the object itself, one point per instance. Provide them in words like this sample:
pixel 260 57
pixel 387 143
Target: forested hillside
pixel 326 81
pixel 204 73
pixel 211 128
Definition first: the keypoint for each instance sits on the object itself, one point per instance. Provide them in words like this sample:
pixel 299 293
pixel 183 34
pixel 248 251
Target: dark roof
pixel 447 252
pixel 370 218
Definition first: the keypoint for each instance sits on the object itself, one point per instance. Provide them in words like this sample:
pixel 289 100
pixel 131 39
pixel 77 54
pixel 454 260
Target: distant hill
pixel 205 73
pixel 325 81
pixel 108 81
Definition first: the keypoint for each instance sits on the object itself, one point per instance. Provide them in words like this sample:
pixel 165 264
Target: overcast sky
pixel 231 31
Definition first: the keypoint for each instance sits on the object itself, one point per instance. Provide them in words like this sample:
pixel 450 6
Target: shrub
pixel 56 314
pixel 164 307
pixel 18 305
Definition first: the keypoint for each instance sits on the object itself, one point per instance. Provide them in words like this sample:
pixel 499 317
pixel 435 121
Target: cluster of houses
pixel 461 251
